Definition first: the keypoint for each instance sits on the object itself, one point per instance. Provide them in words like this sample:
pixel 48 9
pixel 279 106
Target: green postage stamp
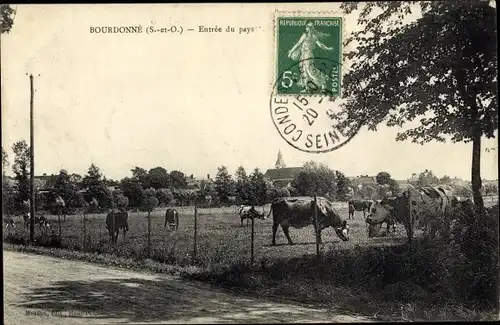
pixel 308 55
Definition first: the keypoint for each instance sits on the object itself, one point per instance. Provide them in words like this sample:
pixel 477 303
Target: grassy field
pixel 364 275
pixel 220 236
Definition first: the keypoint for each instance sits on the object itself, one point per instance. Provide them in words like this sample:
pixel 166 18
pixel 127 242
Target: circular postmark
pixel 311 120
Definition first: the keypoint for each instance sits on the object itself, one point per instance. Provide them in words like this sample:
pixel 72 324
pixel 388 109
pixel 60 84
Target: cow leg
pixel 241 222
pixel 275 228
pixel 287 234
pixel 247 221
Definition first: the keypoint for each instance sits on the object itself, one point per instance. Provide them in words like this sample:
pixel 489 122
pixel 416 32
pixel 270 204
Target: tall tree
pixel 141 175
pixel 67 190
pixel 317 179
pixel 224 184
pixel 258 188
pixel 383 178
pixel 21 169
pixel 158 178
pixel 242 186
pixel 8 189
pixel 132 189
pixel 96 188
pixel 440 69
pixel 343 185
pixel 427 178
pixel 178 179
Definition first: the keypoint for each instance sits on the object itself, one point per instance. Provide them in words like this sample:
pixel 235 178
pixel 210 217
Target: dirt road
pixel 45 290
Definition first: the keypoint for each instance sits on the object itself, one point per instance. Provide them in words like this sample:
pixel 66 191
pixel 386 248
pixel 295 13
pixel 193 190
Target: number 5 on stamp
pixel 300 43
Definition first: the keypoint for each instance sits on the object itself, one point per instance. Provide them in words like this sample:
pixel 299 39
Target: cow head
pixel 378 213
pixel 325 207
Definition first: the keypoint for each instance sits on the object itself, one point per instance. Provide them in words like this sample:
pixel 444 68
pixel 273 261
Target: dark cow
pixel 358 205
pixel 428 206
pixel 298 212
pixel 120 222
pixel 249 212
pixel 172 218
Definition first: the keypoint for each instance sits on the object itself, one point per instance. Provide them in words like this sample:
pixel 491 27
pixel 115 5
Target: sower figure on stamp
pixel 303 50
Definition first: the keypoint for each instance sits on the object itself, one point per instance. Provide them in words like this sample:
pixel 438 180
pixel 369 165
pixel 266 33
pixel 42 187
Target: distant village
pixel 282 176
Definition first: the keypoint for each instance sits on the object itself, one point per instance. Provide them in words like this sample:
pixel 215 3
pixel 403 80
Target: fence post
pixel 84 231
pixel 149 233
pixel 252 242
pixel 195 228
pixel 59 223
pixel 410 232
pixel 316 223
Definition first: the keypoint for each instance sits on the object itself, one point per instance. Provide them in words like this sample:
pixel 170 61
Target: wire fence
pixel 210 236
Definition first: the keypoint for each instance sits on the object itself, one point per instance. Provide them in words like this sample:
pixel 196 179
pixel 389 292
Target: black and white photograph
pixel 247 163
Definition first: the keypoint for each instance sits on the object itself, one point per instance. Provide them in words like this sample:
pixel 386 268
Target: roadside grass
pixel 379 276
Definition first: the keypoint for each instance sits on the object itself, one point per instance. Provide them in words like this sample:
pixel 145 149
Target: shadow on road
pixel 141 300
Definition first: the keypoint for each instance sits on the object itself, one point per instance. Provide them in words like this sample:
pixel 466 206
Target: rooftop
pixel 286 173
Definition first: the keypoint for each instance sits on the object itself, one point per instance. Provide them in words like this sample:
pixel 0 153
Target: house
pixel 194 183
pixel 281 176
pixel 41 183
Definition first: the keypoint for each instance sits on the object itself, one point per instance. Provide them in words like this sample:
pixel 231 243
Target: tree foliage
pixel 178 179
pixel 7 16
pixel 68 191
pixel 242 186
pixel 383 178
pixel 224 184
pixel 439 70
pixel 21 169
pixel 317 179
pixel 343 185
pixel 164 196
pixel 96 188
pixel 258 188
pixel 156 178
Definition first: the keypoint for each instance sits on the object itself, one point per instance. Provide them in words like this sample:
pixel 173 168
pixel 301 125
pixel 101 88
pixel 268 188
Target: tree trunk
pixel 476 171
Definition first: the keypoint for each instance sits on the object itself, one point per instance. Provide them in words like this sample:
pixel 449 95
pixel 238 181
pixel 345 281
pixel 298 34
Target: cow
pixel 42 222
pixel 358 205
pixel 120 222
pixel 249 212
pixel 172 218
pixel 428 207
pixel 298 212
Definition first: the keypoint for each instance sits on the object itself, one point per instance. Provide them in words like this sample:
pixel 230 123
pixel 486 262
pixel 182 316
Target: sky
pixel 189 102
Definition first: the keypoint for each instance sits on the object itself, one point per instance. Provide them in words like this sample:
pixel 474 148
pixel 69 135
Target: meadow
pixel 221 239
pixel 382 275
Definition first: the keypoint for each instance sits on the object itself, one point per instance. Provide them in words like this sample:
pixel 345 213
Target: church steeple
pixel 280 163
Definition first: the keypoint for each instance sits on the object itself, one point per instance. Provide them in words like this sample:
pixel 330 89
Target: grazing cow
pixel 428 207
pixel 298 212
pixel 120 222
pixel 42 222
pixel 172 218
pixel 358 205
pixel 249 212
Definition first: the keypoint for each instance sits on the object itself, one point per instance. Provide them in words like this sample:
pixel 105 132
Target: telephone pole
pixel 32 165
